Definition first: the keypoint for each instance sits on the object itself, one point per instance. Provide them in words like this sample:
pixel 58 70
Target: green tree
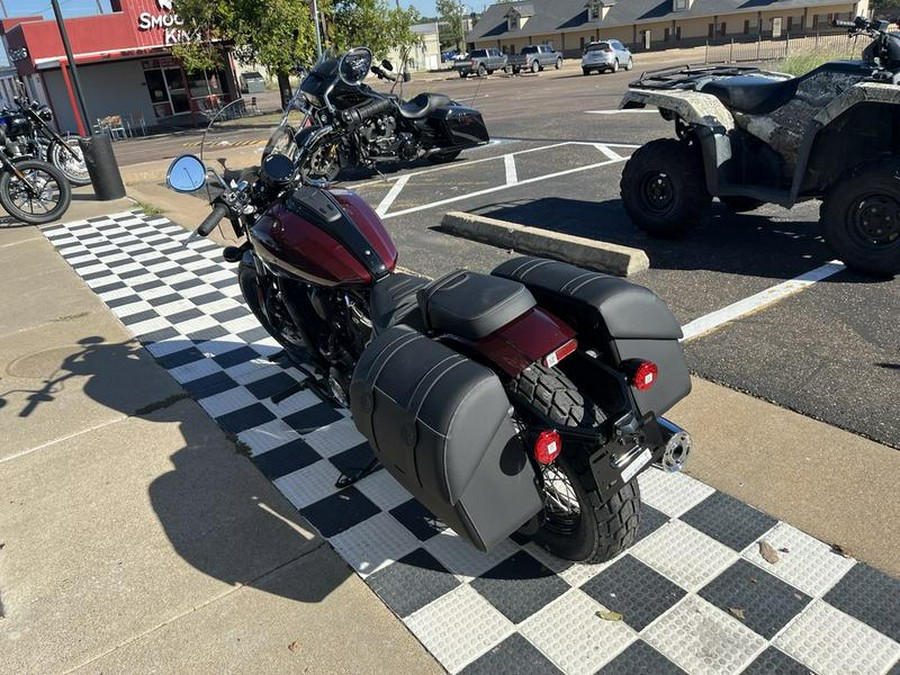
pixel 371 23
pixel 274 33
pixel 451 14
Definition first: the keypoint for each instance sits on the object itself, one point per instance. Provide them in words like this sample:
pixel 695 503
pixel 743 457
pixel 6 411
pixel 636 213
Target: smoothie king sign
pixel 167 20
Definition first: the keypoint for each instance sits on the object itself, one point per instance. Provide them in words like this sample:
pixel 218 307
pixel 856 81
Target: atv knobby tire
pixel 605 524
pixel 663 188
pixel 861 219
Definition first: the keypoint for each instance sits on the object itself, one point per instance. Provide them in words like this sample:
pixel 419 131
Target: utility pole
pixel 315 5
pixel 3 9
pixel 98 153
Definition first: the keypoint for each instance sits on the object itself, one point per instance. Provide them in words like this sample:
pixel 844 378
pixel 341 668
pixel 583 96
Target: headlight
pixel 46 114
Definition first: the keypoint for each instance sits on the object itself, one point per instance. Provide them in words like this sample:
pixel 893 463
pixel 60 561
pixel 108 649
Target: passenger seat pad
pixel 473 305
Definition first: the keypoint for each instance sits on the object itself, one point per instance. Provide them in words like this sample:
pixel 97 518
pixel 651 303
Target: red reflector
pixel 547 447
pixel 560 353
pixel 645 376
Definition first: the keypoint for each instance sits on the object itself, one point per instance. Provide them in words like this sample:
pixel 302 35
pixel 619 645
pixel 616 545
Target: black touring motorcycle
pixel 528 399
pixel 367 127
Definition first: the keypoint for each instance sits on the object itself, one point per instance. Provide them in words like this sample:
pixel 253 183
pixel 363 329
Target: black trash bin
pixel 102 167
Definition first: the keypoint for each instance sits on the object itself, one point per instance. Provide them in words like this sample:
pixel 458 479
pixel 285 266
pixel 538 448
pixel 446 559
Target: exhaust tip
pixel 676 453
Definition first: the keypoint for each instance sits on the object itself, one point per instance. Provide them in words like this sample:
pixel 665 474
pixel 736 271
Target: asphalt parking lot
pixel 831 352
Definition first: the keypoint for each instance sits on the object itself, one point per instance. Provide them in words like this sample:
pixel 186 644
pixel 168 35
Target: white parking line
pixel 622 112
pixel 391 196
pixel 706 324
pixel 471 162
pixel 488 191
pixel 512 177
pixel 606 150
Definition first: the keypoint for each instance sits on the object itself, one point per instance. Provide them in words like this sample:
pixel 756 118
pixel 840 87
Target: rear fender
pixel 521 342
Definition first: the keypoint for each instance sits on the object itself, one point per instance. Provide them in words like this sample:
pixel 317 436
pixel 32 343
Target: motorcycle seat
pixel 393 302
pixel 752 95
pixel 472 305
pixel 423 105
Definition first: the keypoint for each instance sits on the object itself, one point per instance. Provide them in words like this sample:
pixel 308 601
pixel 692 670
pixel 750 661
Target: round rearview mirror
pixel 355 65
pixel 186 174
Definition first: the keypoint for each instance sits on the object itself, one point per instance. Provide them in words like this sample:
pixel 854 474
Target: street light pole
pixel 76 82
pixel 315 4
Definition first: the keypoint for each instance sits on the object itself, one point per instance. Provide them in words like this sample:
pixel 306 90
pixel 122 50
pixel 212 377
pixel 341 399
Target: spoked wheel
pixel 42 197
pixel 69 158
pixel 663 188
pixel 322 163
pixel 861 217
pixel 580 523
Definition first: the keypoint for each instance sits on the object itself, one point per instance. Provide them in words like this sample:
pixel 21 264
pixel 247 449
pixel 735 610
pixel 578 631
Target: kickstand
pixel 348 478
pixel 277 356
pixel 295 388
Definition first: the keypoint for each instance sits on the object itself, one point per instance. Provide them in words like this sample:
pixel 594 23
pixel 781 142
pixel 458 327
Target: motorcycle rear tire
pixel 9 182
pixel 57 154
pixel 606 524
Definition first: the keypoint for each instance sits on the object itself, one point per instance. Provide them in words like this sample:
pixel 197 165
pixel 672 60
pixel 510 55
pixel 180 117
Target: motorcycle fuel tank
pixel 325 237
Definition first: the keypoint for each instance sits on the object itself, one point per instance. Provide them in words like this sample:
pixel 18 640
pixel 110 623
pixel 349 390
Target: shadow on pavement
pixel 747 244
pixel 219 513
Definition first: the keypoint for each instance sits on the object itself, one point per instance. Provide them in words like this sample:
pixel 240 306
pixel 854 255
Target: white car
pixel 606 55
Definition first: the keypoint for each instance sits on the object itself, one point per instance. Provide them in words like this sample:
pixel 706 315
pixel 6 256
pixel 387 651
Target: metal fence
pixel 736 51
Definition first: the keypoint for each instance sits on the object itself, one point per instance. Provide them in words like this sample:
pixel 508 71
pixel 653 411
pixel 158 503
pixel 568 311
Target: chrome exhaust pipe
pixel 678 446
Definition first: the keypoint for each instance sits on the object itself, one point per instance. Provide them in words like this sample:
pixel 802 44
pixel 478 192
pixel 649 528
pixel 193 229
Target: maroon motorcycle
pixel 528 399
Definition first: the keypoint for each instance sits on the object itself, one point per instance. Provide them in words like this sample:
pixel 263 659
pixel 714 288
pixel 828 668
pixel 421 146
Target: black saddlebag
pixel 621 320
pixel 440 424
pixel 460 126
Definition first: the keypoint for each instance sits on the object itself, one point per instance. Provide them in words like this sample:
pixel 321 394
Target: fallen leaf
pixel 737 611
pixel 607 615
pixel 769 554
pixel 840 550
pixel 294 646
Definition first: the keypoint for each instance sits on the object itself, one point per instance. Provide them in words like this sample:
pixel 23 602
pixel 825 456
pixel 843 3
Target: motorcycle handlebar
pixel 209 224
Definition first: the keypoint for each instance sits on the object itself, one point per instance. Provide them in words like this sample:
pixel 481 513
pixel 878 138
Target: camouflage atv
pixel 749 136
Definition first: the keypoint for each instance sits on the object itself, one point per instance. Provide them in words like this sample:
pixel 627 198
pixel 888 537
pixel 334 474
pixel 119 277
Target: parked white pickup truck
pixel 534 58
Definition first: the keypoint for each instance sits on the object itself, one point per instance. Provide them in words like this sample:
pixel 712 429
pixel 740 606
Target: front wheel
pixel 322 162
pixel 558 64
pixel 630 64
pixel 663 188
pixel 535 66
pixel 462 74
pixel 580 523
pixel 44 195
pixel 615 66
pixel 482 71
pixel 861 219
pixel 585 71
pixel 69 159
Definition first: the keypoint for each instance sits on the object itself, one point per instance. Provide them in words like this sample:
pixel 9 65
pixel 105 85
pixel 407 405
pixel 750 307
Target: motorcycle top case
pixel 622 320
pixel 461 126
pixel 440 424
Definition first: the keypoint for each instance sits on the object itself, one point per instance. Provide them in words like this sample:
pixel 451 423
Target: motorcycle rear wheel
pixel 580 523
pixel 69 159
pixel 52 201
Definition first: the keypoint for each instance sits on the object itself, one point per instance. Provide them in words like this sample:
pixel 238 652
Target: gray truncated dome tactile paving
pixel 694 592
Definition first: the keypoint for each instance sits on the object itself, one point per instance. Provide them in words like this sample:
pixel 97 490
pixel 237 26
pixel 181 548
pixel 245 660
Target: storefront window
pixel 167 90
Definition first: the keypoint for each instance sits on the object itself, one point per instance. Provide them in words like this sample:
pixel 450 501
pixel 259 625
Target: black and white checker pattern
pixel 695 594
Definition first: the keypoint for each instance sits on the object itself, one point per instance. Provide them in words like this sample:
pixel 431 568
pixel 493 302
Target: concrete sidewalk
pixel 134 536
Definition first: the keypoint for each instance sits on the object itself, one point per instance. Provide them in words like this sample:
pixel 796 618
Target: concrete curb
pixel 598 255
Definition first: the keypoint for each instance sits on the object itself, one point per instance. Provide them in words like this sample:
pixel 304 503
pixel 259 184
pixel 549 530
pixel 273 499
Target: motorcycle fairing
pixel 440 424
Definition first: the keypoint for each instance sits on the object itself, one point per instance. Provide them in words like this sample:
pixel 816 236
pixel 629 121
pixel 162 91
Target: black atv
pixel 749 137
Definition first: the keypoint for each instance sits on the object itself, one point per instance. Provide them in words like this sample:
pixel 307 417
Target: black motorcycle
pixel 29 135
pixel 370 127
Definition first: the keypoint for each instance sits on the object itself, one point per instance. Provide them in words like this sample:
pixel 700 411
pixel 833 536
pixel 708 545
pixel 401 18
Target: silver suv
pixel 606 55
